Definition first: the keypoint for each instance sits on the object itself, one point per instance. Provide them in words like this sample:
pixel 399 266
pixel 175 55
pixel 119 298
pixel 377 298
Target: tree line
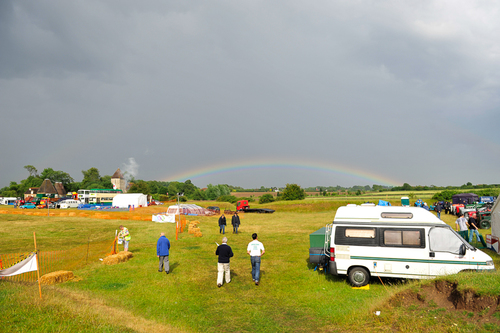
pixel 159 190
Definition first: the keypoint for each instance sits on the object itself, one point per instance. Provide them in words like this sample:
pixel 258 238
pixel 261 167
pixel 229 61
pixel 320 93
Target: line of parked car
pixel 62 203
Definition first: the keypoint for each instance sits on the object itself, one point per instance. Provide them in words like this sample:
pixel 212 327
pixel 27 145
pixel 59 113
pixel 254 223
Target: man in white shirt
pixel 461 225
pixel 256 250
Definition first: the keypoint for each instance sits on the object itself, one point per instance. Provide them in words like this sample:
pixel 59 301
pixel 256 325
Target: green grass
pixel 291 297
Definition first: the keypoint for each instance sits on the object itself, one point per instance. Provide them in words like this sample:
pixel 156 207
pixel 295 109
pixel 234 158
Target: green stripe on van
pixel 427 261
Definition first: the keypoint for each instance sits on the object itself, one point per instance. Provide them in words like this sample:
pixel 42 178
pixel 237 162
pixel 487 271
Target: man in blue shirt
pixel 162 252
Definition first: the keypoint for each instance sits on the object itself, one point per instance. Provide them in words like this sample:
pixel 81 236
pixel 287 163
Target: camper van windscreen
pixel 396 215
pixel 444 240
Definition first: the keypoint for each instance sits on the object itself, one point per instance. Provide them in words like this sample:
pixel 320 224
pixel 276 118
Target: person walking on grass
pixel 222 224
pixel 224 252
pixel 162 252
pixel 256 250
pixel 235 221
pixel 124 236
pixel 473 231
pixel 461 226
pixel 438 210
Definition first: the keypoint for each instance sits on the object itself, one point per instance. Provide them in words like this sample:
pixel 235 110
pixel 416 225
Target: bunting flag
pixel 25 266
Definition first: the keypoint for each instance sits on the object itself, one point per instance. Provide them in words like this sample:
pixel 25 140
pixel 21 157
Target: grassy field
pixel 292 297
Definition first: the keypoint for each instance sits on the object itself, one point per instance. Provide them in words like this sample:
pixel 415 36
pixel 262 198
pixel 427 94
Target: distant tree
pixel 198 195
pixel 89 177
pixel 266 198
pixel 215 191
pixel 56 176
pixel 140 186
pixel 227 198
pixel 32 170
pixel 293 192
pixel 407 187
pixel 444 195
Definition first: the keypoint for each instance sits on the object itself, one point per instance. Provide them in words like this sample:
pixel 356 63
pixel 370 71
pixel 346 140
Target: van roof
pixel 385 214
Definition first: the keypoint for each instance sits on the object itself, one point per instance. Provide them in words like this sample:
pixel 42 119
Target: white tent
pixel 130 199
pixel 495 226
pixel 175 210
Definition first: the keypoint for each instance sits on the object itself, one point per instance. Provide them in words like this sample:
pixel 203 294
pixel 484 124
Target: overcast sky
pixel 253 93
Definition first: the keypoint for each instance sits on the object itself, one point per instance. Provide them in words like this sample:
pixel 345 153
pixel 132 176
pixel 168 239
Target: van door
pixel 447 252
pixel 404 253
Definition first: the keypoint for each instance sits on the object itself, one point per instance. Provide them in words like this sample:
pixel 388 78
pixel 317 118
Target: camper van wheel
pixel 358 277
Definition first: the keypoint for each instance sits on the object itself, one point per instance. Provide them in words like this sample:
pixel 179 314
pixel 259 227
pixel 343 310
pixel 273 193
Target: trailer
pixel 243 206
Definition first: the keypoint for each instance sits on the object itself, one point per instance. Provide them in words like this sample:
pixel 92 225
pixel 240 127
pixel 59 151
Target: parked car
pixel 28 205
pixel 214 209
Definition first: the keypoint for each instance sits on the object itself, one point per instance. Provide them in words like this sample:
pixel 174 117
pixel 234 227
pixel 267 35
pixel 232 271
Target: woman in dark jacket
pixel 222 224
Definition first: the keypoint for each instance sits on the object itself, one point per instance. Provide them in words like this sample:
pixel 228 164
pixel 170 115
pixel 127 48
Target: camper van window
pixel 406 238
pixel 444 240
pixel 360 233
pixel 360 236
pixel 397 215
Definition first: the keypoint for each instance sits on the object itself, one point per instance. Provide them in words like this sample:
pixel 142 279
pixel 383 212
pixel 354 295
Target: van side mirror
pixel 462 250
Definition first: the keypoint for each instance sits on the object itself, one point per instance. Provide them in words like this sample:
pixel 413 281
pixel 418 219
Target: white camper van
pixel 391 241
pixel 69 204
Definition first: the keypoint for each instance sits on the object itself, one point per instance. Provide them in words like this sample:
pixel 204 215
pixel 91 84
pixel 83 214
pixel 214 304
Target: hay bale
pixel 72 214
pixel 3 212
pixel 136 217
pixel 63 214
pixel 197 234
pixel 84 215
pixel 56 277
pixel 117 258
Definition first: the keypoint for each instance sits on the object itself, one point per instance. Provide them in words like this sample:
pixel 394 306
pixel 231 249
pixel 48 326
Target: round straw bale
pixel 57 277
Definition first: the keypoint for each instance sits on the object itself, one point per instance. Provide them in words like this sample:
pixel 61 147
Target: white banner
pixel 25 266
pixel 164 218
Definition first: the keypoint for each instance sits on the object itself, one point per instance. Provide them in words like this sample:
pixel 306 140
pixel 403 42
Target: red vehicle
pixel 243 206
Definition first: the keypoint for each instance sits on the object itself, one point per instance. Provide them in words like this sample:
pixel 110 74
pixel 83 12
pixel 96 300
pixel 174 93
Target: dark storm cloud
pixel 354 83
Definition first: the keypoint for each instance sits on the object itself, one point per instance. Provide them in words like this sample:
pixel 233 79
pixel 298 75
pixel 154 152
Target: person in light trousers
pixel 224 252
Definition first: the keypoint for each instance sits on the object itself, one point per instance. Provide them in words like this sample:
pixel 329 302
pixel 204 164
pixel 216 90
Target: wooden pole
pixel 37 267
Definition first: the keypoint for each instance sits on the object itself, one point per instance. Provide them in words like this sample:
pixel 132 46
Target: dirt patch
pixel 443 294
pixel 79 301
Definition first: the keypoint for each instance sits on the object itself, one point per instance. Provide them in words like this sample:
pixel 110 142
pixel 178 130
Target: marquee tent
pixel 130 199
pixel 184 209
pixel 464 198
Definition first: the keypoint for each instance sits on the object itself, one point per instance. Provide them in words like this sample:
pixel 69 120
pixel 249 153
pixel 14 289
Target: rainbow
pixel 221 168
